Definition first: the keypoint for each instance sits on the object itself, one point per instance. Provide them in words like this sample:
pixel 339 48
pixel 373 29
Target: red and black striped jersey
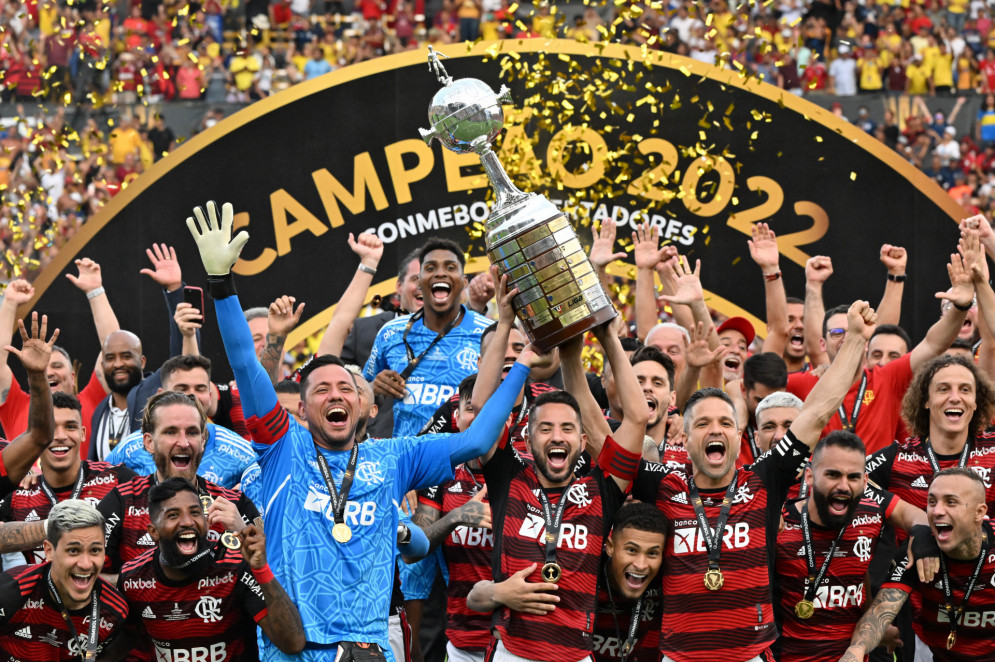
pixel 126 517
pixel 735 622
pixel 32 627
pixel 467 551
pixel 519 528
pixel 611 627
pixel 444 418
pixel 904 468
pixel 209 617
pixel 33 505
pixel 841 596
pixel 930 620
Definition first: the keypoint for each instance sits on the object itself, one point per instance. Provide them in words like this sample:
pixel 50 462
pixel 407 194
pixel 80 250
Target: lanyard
pixel 931 454
pixel 553 520
pixel 91 644
pixel 712 543
pixel 953 613
pixel 77 488
pixel 751 437
pixel 114 436
pixel 413 360
pixel 850 424
pixel 338 497
pixel 637 610
pixel 813 578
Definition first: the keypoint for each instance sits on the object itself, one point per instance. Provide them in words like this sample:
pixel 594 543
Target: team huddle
pixel 823 498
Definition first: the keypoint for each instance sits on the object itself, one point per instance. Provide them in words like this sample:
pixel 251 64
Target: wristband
pixel 221 287
pixel 617 461
pixel 961 308
pixel 367 270
pixel 264 575
pixel 94 293
pixel 772 277
pixel 898 279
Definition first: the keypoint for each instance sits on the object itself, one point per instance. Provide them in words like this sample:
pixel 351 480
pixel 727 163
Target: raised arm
pixel 871 627
pixel 188 320
pixel 763 250
pixel 895 259
pixel 827 394
pixel 646 252
pixel 281 319
pixel 369 248
pixel 90 283
pixel 575 383
pixel 601 253
pixel 492 363
pixel 817 270
pixel 282 622
pixel 688 292
pixel 18 291
pixel 34 354
pixel 166 273
pixel 218 252
pixel 961 295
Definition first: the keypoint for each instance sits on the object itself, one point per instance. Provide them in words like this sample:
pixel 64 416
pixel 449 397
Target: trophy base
pixel 551 335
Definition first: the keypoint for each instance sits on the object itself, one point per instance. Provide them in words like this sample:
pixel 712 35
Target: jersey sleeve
pixel 897 375
pixel 247 509
pixel 12 408
pixel 249 593
pixel 904 577
pixel 10 597
pixel 6 509
pixel 885 500
pixel 779 467
pixel 431 497
pixel 417 578
pixel 254 385
pixel 442 419
pixel 377 361
pixel 612 496
pixel 112 508
pixel 500 469
pixel 646 484
pixel 879 465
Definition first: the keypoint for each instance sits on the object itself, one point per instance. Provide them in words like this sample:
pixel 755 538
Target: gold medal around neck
pixel 951 640
pixel 230 540
pixel 804 609
pixel 341 532
pixel 206 500
pixel 551 573
pixel 714 579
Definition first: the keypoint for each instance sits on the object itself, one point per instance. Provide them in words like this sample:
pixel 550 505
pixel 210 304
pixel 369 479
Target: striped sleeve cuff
pixel 271 427
pixel 617 461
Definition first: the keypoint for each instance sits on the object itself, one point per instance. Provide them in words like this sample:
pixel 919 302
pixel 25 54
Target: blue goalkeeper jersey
pixel 226 456
pixel 439 373
pixel 342 590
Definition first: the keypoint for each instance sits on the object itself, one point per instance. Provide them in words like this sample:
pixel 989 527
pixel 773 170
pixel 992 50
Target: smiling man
pixel 420 359
pixel 59 610
pixel 174 429
pixel 225 589
pixel 952 612
pixel 63 476
pixel 717 589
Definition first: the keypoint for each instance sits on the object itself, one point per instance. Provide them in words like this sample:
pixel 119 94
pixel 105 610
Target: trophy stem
pixel 505 192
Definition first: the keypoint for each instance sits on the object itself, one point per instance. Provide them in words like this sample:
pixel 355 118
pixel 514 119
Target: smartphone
pixel 195 297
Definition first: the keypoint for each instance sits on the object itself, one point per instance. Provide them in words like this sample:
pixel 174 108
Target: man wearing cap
pixel 737 334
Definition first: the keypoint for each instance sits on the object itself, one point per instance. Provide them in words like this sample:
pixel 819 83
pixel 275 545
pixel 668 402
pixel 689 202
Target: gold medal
pixel 206 500
pixel 951 640
pixel 804 609
pixel 551 573
pixel 714 579
pixel 230 540
pixel 341 532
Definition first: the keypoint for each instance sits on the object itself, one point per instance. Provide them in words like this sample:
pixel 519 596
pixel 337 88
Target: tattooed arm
pixel 283 317
pixel 21 536
pixel 871 626
pixel 473 513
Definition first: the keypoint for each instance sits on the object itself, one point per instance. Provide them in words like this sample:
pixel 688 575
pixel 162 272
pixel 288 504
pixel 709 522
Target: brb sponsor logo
pixel 572 536
pixel 970 619
pixel 472 536
pixel 213 653
pixel 427 394
pixel 689 540
pixel 830 596
pixel 356 514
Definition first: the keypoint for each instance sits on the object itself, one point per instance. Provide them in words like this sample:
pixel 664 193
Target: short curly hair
pixel 914 411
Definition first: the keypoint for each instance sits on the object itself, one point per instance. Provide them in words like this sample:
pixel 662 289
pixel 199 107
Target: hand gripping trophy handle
pixel 527 237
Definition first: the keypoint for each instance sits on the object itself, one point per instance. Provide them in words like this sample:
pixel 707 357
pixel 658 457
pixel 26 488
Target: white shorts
pixel 459 655
pixel 502 654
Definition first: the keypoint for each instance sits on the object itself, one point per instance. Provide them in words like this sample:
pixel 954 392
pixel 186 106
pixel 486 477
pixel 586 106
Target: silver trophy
pixel 528 238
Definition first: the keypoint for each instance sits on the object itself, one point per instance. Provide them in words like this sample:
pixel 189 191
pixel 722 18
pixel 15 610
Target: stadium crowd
pixel 818 494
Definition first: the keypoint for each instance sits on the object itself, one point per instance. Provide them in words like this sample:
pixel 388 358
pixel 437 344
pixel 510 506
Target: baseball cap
pixel 742 325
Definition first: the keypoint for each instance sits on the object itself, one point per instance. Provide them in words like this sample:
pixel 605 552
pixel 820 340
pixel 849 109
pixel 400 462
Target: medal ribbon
pixel 630 641
pixel 815 579
pixel 77 488
pixel 712 543
pixel 91 643
pixel 953 613
pixel 338 497
pixel 850 424
pixel 751 437
pixel 553 521
pixel 413 360
pixel 933 462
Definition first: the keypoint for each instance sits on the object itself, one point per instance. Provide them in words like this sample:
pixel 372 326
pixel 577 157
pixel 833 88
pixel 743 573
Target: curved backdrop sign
pixel 699 151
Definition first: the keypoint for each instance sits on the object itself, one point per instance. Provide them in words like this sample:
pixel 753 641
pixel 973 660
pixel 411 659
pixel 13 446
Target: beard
pixel 829 519
pixel 542 467
pixel 194 564
pixel 122 388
